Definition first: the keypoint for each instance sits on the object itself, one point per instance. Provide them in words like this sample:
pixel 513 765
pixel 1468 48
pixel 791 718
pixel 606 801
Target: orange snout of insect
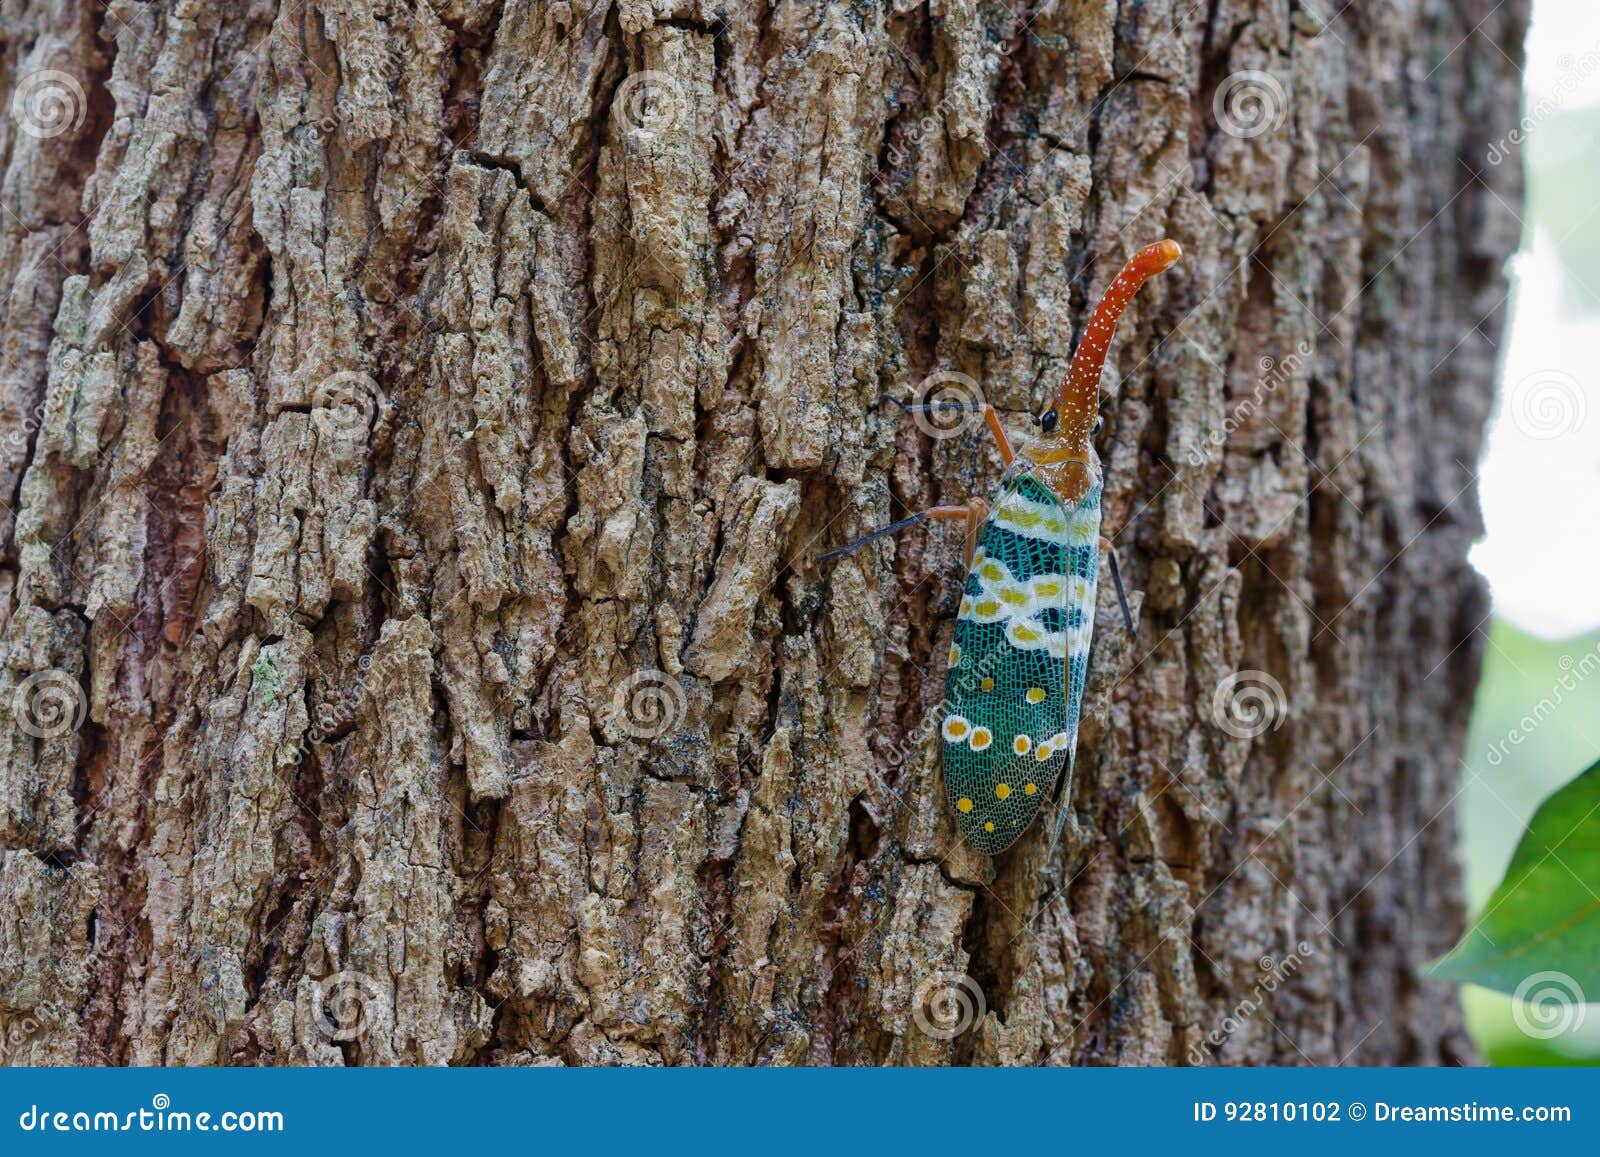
pixel 1163 255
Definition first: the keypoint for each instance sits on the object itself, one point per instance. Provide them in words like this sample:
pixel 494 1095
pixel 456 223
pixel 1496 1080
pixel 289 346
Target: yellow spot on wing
pixel 1002 790
pixel 989 826
pixel 1032 789
pixel 963 804
pixel 981 738
pixel 1035 694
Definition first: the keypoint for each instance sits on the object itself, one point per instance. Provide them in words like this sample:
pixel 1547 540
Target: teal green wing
pixel 1019 661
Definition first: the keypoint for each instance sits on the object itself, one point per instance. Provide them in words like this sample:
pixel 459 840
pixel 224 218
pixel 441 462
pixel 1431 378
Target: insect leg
pixel 941 513
pixel 1061 800
pixel 1122 593
pixel 977 514
pixel 991 418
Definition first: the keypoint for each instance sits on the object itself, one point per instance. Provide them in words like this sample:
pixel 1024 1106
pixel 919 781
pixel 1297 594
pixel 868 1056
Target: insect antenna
pixel 1122 596
pixel 893 528
pixel 925 407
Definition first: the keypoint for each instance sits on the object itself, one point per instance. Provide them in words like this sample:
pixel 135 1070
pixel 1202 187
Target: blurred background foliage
pixel 1541 502
pixel 1563 160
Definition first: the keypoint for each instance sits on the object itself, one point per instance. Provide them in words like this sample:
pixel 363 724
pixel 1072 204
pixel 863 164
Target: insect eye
pixel 1099 424
pixel 1048 422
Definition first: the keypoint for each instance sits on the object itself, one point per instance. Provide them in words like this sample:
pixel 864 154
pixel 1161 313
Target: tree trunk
pixel 421 423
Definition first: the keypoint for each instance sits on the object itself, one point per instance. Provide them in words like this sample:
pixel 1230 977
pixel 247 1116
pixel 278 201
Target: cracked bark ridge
pixel 419 422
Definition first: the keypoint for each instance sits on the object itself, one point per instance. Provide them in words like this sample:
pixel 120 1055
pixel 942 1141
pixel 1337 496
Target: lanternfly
pixel 1017 669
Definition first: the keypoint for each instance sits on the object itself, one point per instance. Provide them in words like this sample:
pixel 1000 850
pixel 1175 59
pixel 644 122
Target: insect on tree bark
pixel 421 423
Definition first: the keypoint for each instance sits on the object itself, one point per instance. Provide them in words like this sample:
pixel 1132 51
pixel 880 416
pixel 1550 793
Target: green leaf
pixel 1545 915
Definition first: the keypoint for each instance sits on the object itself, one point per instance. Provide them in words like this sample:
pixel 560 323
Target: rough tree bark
pixel 421 420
